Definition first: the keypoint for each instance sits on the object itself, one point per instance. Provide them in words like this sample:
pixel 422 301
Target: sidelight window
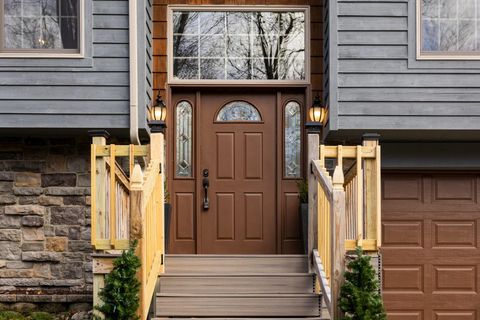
pixel 238 45
pixel 448 28
pixel 184 145
pixel 292 140
pixel 40 26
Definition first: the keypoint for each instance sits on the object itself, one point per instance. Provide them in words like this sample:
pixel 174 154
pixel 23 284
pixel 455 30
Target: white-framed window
pixel 41 28
pixel 238 44
pixel 448 29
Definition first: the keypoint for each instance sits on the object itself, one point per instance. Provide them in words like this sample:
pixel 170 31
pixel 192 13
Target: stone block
pixel 6 176
pixel 59 180
pixel 41 256
pixel 35 154
pixel 19 282
pixel 27 179
pixel 25 209
pixel 33 234
pixel 50 201
pixel 74 200
pixel 64 191
pixel 74 233
pixel 33 246
pixel 6 186
pixel 79 246
pixel 77 164
pixel 10 250
pixel 57 244
pixel 10 221
pixel 67 215
pixel 27 191
pixel 10 235
pixel 16 273
pixel 86 233
pixel 88 200
pixel 83 180
pixel 7 199
pixel 32 221
pixel 42 270
pixel 28 200
pixel 24 166
pixel 61 230
pixel 67 271
pixel 19 265
pixel 49 231
pixel 24 307
pixel 55 163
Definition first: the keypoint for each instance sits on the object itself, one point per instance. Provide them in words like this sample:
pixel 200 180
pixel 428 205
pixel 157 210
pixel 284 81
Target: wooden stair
pixel 237 287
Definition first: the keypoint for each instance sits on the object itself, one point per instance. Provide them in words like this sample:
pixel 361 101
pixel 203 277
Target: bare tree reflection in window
pixel 247 45
pixel 41 24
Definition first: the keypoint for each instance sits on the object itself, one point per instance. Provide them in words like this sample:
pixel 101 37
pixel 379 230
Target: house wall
pixel 378 84
pixel 160 36
pixel 90 92
pixel 45 220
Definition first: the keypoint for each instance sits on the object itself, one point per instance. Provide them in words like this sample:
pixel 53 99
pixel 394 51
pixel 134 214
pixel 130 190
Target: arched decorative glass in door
pixel 183 138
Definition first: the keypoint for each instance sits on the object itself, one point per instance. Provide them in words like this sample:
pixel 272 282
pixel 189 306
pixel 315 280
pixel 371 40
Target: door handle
pixel 206 185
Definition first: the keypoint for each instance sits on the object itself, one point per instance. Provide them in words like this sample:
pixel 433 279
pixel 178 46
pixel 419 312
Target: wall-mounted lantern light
pixel 157 114
pixel 317 116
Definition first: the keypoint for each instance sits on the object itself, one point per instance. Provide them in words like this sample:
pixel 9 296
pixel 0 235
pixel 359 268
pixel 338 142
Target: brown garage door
pixel 431 246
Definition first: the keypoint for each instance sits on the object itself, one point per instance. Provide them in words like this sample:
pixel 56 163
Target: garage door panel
pixel 402 233
pixel 405 315
pixel 454 315
pixel 456 233
pixel 459 278
pixel 403 278
pixel 431 246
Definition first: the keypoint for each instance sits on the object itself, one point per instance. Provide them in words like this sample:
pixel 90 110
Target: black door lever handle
pixel 206 185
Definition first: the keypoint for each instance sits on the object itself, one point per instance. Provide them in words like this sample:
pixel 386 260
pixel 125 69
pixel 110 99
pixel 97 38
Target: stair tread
pixel 253 274
pixel 241 295
pixel 274 256
pixel 238 318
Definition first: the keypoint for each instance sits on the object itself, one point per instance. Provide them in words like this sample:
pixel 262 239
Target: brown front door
pixel 237 147
pixel 431 245
pixel 249 140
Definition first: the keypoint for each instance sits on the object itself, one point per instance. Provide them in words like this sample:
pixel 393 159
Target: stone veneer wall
pixel 45 220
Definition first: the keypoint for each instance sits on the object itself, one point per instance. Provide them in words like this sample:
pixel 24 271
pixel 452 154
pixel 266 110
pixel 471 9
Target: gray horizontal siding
pixel 378 89
pixel 46 93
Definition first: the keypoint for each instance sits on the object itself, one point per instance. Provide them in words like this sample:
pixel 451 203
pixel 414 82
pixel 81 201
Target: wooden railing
pixel 127 207
pixel 344 210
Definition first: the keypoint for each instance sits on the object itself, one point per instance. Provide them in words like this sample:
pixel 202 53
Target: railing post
pixel 98 182
pixel 313 154
pixel 372 187
pixel 338 239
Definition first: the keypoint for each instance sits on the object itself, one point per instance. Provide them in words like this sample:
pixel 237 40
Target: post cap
pixel 99 133
pixel 370 137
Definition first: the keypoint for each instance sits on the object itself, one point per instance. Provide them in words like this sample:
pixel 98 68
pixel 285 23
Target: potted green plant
pixel 303 210
pixel 167 215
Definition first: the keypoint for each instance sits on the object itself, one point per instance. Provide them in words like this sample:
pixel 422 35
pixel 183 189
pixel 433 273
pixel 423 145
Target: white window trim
pixel 432 55
pixel 42 54
pixel 172 81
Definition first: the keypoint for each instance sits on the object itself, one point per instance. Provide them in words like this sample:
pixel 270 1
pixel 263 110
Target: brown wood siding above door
pixel 160 36
pixel 431 245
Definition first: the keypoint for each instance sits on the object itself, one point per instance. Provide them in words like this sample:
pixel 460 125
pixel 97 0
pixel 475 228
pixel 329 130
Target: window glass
pixel 40 24
pixel 238 111
pixel 239 45
pixel 450 26
pixel 183 161
pixel 292 143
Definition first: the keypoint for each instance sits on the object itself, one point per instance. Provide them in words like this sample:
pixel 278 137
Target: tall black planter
pixel 168 214
pixel 304 217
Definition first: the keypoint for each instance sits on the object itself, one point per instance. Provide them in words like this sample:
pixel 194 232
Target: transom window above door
pixel 448 29
pixel 40 26
pixel 238 45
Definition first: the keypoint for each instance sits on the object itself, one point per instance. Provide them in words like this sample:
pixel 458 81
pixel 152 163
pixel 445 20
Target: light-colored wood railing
pixel 127 208
pixel 344 210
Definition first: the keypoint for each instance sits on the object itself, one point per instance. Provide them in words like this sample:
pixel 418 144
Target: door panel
pixel 241 163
